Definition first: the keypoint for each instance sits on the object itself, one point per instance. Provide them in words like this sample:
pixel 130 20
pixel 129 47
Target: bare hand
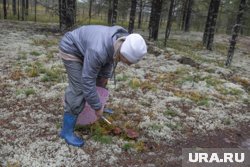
pixel 99 113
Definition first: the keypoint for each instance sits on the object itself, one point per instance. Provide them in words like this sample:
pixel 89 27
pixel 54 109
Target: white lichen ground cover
pixel 163 99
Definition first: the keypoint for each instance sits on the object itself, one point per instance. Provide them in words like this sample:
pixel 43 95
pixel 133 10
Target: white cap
pixel 134 48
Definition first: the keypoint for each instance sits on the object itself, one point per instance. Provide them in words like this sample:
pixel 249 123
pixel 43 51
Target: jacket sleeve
pixel 91 67
pixel 106 70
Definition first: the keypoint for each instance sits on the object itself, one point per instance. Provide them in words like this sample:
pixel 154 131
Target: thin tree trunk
pixel 236 30
pixel 23 10
pixel 27 7
pixel 132 16
pixel 184 14
pixel 14 7
pixel 169 23
pixel 208 22
pixel 114 12
pixel 110 13
pixel 188 15
pixel 90 10
pixel 155 19
pixel 4 9
pixel 35 9
pixel 213 25
pixel 18 9
pixel 140 14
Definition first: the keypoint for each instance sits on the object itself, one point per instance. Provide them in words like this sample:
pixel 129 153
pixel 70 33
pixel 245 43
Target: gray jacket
pixel 94 45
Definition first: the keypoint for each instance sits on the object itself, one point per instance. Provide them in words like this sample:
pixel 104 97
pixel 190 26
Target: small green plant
pixel 122 78
pixel 170 112
pixel 53 74
pixel 100 133
pixel 29 91
pixel 134 83
pixel 127 146
pixel 230 91
pixel 156 127
pixel 45 42
pixel 26 91
pixel 227 121
pixel 22 55
pixel 203 102
pixel 104 139
pixel 35 53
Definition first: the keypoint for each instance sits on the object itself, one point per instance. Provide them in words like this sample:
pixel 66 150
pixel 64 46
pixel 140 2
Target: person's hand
pixel 99 113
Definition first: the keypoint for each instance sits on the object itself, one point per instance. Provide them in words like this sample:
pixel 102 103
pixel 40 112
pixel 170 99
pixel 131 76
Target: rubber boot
pixel 67 132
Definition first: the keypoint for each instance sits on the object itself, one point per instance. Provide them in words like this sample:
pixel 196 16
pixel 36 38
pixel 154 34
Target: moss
pixel 22 55
pixel 203 102
pixel 104 139
pixel 35 53
pixel 127 146
pixel 229 91
pixel 134 83
pixel 52 74
pixel 26 91
pixel 45 42
pixel 122 78
pixel 170 112
pixel 139 146
pixel 16 75
pixel 156 127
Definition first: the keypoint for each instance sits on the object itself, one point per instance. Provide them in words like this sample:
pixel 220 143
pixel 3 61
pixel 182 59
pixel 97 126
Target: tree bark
pixel 90 10
pixel 184 13
pixel 169 23
pixel 27 7
pixel 208 22
pixel 35 9
pixel 155 19
pixel 213 24
pixel 132 16
pixel 14 7
pixel 18 9
pixel 188 15
pixel 140 14
pixel 67 14
pixel 4 9
pixel 114 12
pixel 110 13
pixel 23 10
pixel 236 30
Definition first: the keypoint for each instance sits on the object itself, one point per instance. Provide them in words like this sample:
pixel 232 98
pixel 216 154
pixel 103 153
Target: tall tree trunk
pixel 110 13
pixel 184 13
pixel 90 10
pixel 27 7
pixel 155 19
pixel 188 15
pixel 140 14
pixel 169 23
pixel 23 10
pixel 132 16
pixel 213 24
pixel 67 14
pixel 208 22
pixel 35 9
pixel 114 12
pixel 236 30
pixel 18 9
pixel 4 9
pixel 14 7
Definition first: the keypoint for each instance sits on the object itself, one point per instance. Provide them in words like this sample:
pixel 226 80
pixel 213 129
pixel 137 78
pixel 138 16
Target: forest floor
pixel 179 96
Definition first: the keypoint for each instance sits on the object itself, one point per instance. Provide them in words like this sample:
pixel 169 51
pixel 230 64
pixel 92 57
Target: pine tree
pixel 132 16
pixel 236 30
